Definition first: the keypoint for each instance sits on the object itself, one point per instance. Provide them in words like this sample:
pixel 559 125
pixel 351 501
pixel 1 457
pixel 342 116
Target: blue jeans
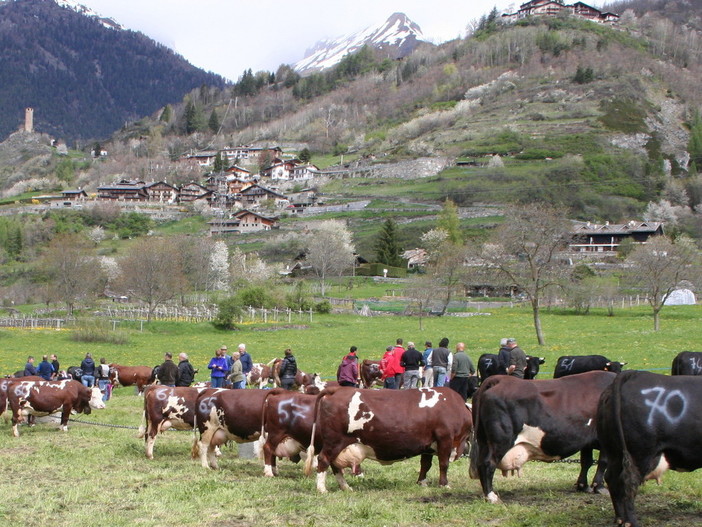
pixel 217 382
pixel 88 380
pixel 389 383
pixel 439 376
pixel 102 384
pixel 239 385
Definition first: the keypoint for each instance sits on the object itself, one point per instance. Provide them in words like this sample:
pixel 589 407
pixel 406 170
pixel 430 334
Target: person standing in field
pixel 246 360
pixel 461 371
pixel 517 359
pixel 29 369
pixel 218 365
pixel 288 370
pixel 440 362
pixel 168 371
pixel 186 372
pixel 236 377
pixel 55 364
pixel 398 351
pixel 387 368
pixel 428 374
pixel 88 367
pixel 347 372
pixel 102 374
pixel 45 370
pixel 503 358
pixel 411 361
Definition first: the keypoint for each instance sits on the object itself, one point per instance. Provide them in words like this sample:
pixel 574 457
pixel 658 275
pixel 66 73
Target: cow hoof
pixel 493 498
pixel 422 483
pixel 602 491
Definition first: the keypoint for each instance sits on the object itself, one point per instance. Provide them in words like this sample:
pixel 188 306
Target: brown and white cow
pixel 370 373
pixel 138 376
pixel 518 420
pixel 317 385
pixel 353 424
pixel 226 415
pixel 259 376
pixel 167 407
pixel 47 397
pixel 286 427
pixel 5 386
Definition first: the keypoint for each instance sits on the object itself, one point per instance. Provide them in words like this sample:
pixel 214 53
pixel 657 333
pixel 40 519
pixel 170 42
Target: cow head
pixel 614 366
pixel 533 364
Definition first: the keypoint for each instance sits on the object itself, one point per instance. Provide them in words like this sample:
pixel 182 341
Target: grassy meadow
pixel 99 475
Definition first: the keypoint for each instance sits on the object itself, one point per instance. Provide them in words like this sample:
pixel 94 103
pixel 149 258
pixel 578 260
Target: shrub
pixel 229 310
pixel 323 307
pixel 255 296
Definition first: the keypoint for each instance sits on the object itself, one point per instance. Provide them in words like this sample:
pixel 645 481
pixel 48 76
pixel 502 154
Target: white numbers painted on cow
pixel 488 362
pixel 289 412
pixel 567 364
pixel 357 417
pixel 670 404
pixel 696 365
pixel 429 398
pixel 162 394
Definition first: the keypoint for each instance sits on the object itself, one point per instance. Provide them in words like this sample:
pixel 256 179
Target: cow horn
pixel 608 364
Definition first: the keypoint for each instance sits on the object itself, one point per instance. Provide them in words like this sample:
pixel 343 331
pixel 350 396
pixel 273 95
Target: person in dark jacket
pixel 45 370
pixel 461 371
pixel 411 361
pixel 186 372
pixel 440 362
pixel 503 357
pixel 347 374
pixel 288 370
pixel 102 375
pixel 55 365
pixel 29 368
pixel 245 358
pixel 168 371
pixel 88 367
pixel 517 359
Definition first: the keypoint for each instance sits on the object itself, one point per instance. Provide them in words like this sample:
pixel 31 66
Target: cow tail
pixel 143 426
pixel 309 462
pixel 262 437
pixel 473 446
pixel 630 473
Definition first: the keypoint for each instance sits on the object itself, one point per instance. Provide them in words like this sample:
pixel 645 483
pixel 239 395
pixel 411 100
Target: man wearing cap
pixel 517 359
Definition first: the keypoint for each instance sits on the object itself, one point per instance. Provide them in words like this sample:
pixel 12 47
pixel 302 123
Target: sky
pixel 230 36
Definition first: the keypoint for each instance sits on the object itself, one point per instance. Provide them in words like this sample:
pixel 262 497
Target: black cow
pixel 572 364
pixel 517 420
pixel 687 363
pixel 648 423
pixel 487 366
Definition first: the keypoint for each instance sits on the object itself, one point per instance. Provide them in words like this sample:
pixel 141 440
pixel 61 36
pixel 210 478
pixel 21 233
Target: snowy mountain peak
pixel 398 36
pixel 86 11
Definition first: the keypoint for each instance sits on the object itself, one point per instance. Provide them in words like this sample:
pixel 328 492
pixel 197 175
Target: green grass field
pixel 99 475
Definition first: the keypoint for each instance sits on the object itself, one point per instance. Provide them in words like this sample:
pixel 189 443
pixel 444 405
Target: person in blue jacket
pixel 218 365
pixel 45 370
pixel 29 369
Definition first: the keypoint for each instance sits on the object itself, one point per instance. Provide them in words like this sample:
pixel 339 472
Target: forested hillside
pixel 83 80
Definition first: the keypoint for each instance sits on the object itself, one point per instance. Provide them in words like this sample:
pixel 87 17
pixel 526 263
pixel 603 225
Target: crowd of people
pixel 400 367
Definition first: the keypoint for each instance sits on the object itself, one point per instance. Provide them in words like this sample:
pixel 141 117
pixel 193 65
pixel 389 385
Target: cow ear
pixel 623 363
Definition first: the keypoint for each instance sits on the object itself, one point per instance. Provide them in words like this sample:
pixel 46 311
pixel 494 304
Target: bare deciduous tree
pixel 523 253
pixel 151 272
pixel 330 250
pixel 73 273
pixel 657 267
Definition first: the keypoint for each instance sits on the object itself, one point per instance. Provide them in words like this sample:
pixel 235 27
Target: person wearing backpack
pixel 102 374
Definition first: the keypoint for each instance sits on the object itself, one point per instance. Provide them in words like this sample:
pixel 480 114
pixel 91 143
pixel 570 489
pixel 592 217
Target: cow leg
pixel 322 465
pixel 16 419
pixel 339 474
pixel 65 414
pixel 150 440
pixel 269 462
pixel 424 466
pixel 598 486
pixel 585 464
pixel 622 491
pixel 482 461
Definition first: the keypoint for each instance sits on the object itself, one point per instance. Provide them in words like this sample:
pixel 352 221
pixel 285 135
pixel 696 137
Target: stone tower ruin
pixel 29 120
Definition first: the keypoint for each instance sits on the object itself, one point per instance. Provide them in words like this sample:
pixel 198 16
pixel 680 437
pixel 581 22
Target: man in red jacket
pixel 398 351
pixel 387 367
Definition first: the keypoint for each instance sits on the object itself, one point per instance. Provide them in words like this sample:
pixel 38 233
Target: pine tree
pixel 305 155
pixel 387 247
pixel 694 146
pixel 193 118
pixel 167 114
pixel 449 221
pixel 213 123
pixel 218 163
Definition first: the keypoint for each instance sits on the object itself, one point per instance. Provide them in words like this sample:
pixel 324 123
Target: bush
pixel 256 296
pixel 323 307
pixel 98 331
pixel 229 310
